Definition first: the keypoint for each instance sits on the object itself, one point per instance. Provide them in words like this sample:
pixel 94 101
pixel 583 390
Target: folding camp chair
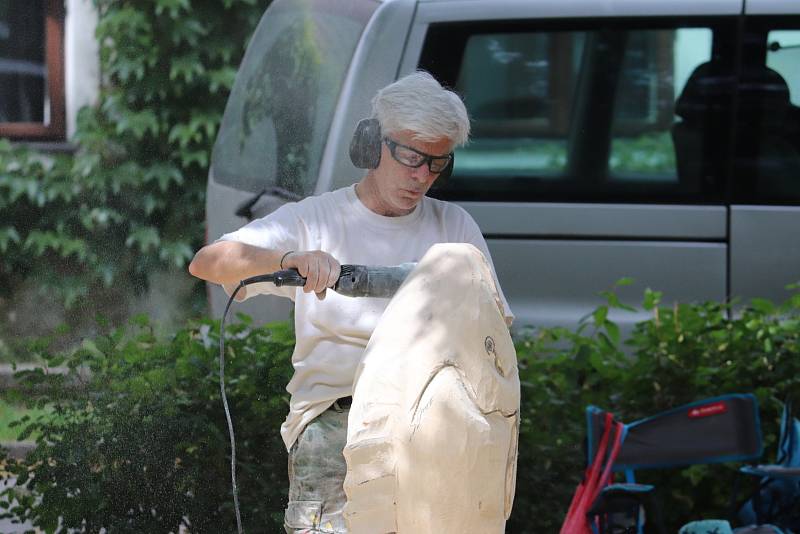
pixel 715 430
pixel 777 498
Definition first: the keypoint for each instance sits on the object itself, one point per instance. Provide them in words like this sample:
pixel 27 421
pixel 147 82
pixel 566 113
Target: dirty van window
pixel 282 102
pixel 574 114
pixel 518 88
pixel 655 68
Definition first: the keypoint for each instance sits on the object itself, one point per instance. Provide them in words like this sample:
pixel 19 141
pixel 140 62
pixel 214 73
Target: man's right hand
pixel 320 269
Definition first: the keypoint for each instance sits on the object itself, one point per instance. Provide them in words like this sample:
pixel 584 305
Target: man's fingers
pixel 334 272
pixel 301 265
pixel 321 270
pixel 312 277
pixel 329 278
pixel 322 274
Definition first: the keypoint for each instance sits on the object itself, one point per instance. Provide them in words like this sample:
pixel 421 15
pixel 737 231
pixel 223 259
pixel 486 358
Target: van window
pixel 566 111
pixel 783 57
pixel 767 166
pixel 282 103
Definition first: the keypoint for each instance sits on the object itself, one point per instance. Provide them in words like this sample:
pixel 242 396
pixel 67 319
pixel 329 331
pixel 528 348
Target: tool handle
pixel 287 277
pixel 290 277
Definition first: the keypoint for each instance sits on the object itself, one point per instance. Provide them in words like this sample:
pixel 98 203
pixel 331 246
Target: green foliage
pixel 144 447
pixel 684 353
pixel 132 198
pixel 10 412
pixel 145 444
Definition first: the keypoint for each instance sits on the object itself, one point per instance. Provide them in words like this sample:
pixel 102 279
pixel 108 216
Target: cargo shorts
pixel 316 476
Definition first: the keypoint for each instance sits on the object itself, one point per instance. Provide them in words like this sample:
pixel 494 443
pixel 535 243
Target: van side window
pixel 767 166
pixel 783 57
pixel 565 111
pixel 278 115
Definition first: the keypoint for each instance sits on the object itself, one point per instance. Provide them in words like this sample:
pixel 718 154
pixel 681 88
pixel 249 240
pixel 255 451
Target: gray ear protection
pixel 365 148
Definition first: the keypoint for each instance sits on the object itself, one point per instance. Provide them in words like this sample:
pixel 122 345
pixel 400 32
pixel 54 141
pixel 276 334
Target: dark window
pixel 597 111
pixel 31 69
pixel 767 160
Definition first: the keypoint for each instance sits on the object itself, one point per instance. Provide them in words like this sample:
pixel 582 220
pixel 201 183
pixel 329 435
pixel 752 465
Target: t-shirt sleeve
pixel 474 236
pixel 280 230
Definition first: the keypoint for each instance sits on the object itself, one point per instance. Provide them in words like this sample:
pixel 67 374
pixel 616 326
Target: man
pixel 385 219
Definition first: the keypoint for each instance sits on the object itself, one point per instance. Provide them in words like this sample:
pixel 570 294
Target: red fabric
pixel 595 479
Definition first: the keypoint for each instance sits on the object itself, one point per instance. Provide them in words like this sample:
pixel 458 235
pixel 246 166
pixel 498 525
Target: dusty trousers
pixel 433 429
pixel 316 473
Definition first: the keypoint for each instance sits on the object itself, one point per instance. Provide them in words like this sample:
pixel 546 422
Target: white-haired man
pixel 385 219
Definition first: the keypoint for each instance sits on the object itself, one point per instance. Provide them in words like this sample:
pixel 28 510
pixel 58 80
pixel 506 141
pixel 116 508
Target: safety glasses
pixel 405 155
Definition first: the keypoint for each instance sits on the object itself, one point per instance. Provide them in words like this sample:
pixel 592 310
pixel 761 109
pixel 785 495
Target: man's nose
pixel 422 174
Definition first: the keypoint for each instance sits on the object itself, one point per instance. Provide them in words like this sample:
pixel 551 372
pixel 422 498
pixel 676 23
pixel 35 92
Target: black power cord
pixel 289 277
pixel 225 404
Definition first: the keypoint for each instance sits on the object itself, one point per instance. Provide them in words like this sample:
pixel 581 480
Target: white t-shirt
pixel 331 334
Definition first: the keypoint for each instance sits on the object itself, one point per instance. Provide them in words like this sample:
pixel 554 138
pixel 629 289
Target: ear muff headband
pixel 365 148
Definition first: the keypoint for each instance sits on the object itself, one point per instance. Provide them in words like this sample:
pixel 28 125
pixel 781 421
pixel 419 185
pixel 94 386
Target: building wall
pixel 82 59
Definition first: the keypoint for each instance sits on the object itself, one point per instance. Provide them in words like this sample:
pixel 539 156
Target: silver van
pixel 611 138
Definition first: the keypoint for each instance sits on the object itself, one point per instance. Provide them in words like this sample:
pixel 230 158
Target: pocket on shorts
pixel 303 514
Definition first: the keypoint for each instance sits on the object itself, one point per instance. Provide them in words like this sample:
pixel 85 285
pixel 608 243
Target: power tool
pixel 354 281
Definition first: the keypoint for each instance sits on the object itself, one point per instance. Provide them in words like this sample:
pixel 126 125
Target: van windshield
pixel 281 106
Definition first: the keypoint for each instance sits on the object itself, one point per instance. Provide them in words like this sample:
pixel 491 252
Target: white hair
pixel 418 103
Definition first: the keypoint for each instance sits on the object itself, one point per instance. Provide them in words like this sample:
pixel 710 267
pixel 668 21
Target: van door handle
pixel 245 209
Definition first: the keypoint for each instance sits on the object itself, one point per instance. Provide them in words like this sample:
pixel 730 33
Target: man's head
pixel 420 123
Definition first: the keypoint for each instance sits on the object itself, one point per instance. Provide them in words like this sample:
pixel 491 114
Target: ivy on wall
pixel 131 199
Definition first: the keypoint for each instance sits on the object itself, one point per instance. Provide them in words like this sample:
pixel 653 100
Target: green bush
pixel 683 353
pixel 131 199
pixel 145 444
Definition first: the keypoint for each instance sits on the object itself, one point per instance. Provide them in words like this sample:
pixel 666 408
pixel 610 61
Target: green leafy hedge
pixel 684 353
pixel 132 198
pixel 145 446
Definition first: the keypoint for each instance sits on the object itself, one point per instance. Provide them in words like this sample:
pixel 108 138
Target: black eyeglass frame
pixel 427 158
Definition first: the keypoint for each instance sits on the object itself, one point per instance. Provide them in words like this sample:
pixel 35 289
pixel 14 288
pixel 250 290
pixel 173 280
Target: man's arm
pixel 228 262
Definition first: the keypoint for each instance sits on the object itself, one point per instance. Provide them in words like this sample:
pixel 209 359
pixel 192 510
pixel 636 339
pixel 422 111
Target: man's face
pixel 400 187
